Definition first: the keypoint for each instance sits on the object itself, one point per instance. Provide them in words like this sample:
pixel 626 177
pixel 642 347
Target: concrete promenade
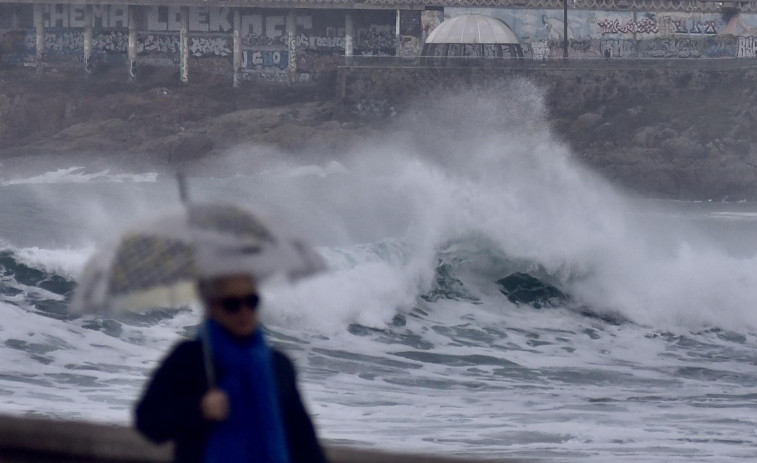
pixel 28 440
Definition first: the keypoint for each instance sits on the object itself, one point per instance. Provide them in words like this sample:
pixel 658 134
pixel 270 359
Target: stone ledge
pixel 34 440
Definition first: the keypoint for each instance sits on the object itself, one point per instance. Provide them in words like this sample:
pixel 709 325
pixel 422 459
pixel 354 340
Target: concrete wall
pixel 628 34
pixel 313 44
pixel 25 440
pixel 270 50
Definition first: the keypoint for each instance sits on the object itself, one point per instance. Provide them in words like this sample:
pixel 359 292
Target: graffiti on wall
pixel 316 46
pixel 313 30
pixel 540 50
pixel 209 46
pixel 546 24
pixel 747 47
pixel 694 26
pixel 376 39
pixel 335 40
pixel 319 38
pixel 163 44
pixel 628 34
pixel 103 16
pixel 613 26
pixel 409 36
pixel 170 44
pixel 617 48
pixel 721 46
pixel 72 42
pixel 673 48
pixel 302 40
pixel 430 20
pixel 651 24
pixel 262 60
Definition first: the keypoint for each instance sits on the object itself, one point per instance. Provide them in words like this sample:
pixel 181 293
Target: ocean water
pixel 408 343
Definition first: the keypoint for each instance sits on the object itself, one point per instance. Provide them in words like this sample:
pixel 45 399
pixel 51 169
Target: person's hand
pixel 215 405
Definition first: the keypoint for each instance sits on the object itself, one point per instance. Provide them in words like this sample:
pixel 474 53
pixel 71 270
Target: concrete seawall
pixel 27 440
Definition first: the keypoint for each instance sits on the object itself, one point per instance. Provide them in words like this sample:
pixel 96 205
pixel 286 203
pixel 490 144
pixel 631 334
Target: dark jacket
pixel 170 407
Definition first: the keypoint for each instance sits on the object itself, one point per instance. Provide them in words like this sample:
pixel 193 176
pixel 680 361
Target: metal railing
pixel 552 63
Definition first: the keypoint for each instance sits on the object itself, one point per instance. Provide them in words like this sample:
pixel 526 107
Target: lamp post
pixel 565 30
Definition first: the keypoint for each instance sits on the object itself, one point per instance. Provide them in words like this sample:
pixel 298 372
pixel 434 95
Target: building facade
pixel 304 40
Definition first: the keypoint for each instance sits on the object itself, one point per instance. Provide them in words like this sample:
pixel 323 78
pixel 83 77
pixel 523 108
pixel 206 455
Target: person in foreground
pixel 249 410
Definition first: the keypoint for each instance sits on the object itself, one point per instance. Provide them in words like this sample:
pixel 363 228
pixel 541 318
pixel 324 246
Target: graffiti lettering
pixel 265 59
pixel 67 43
pixel 155 43
pixel 201 18
pixel 681 26
pixel 618 48
pixel 581 46
pixel 708 27
pixel 64 16
pixel 217 46
pixel 540 50
pixel 218 19
pixel 376 39
pixel 260 40
pixel 747 47
pixel 326 42
pixel 721 46
pixel 612 26
pixel 673 48
pixel 111 42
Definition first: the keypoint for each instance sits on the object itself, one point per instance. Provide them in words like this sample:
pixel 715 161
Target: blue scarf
pixel 254 430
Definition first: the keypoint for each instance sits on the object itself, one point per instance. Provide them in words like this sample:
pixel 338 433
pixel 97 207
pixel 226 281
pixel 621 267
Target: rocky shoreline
pixel 703 147
pixel 52 119
pixel 688 142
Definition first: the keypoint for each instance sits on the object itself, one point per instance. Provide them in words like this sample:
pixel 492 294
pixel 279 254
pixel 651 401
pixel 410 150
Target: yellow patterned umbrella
pixel 157 263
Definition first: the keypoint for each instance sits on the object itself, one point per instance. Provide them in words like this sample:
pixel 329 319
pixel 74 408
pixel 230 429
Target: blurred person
pixel 233 399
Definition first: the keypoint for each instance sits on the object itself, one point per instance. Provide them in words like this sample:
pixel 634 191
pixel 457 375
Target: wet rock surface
pixel 50 120
pixel 522 288
pixel 703 147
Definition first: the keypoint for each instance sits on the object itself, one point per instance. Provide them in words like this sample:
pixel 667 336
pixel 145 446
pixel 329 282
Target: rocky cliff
pixel 687 138
pixel 673 129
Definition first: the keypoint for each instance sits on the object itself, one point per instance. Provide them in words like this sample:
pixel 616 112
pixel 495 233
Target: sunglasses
pixel 235 304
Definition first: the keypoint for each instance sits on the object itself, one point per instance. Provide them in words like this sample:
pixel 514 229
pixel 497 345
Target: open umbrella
pixel 156 264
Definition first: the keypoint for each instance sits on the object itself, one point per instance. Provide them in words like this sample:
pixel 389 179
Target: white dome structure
pixel 473 36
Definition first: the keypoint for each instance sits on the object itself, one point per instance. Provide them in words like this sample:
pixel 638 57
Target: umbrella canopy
pixel 156 264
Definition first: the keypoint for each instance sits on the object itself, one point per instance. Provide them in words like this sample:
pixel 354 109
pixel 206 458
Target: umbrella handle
pixel 207 356
pixel 181 181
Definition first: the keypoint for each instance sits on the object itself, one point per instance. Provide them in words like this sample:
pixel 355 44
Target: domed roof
pixel 472 28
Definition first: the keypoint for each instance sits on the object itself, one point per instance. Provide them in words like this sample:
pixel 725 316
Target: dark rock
pixel 647 137
pixel 587 121
pixel 683 149
pixel 696 145
pixel 604 130
pixel 522 288
pixel 448 286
